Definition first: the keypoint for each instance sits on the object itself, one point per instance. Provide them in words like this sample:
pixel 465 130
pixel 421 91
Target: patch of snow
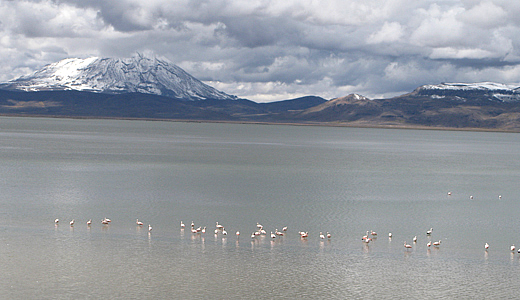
pixel 470 86
pixel 499 91
pixel 140 73
pixel 507 97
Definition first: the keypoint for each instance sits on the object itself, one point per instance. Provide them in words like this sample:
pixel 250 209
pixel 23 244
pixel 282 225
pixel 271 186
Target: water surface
pixel 342 180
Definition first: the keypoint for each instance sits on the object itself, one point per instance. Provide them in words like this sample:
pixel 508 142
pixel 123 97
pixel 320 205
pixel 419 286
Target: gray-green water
pixel 342 180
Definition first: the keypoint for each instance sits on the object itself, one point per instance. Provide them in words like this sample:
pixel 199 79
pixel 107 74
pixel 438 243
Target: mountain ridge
pixel 493 91
pixel 139 73
pixel 409 110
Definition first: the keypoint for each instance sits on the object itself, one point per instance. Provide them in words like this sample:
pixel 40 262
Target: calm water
pixel 342 180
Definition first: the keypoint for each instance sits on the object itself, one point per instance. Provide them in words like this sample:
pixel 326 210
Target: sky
pixel 270 50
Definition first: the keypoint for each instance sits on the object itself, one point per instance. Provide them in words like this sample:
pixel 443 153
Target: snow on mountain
pixel 349 99
pixel 497 91
pixel 470 86
pixel 140 73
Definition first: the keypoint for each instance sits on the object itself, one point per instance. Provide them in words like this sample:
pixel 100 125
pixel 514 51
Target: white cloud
pixel 485 14
pixel 271 50
pixel 454 53
pixel 390 32
pixel 276 90
pixel 438 28
pixel 47 19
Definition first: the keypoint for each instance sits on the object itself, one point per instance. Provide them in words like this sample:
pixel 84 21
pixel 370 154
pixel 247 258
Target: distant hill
pixel 293 104
pixel 128 105
pixel 347 109
pixel 137 105
pixel 477 106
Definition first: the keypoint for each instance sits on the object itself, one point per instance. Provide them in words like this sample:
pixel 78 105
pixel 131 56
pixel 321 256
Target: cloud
pixel 390 32
pixel 485 14
pixel 47 19
pixel 438 28
pixel 274 50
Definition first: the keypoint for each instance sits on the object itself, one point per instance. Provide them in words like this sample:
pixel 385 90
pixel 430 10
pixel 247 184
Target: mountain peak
pixel 141 73
pixel 350 98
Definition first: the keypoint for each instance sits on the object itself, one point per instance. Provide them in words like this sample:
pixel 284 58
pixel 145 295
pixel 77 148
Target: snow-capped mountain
pixel 492 90
pixel 140 73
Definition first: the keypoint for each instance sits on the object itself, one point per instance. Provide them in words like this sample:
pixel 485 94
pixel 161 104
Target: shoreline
pixel 323 124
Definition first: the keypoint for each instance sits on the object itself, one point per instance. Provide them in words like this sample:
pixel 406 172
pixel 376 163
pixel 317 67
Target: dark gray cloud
pixel 271 50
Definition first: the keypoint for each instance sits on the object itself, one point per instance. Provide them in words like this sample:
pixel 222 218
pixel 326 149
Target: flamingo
pixel 199 229
pixel 415 239
pixel 108 220
pixel 389 235
pixel 486 246
pixel 204 229
pixel 373 232
pixel 193 230
pixel 149 227
pixel 449 193
pixel 224 232
pixel 407 246
pixel 56 221
pixel 138 223
pixel 365 238
pixel 259 226
pixel 219 226
pixel 272 235
pixel 304 234
pixel 89 222
pixel 429 244
pixel 499 196
pixel 513 247
pixel 285 228
pixel 278 232
pixel 328 235
pixel 429 232
pixel 471 197
pixel 104 221
pixel 216 231
pixel 322 236
pixel 253 235
pixel 237 233
pixel 72 222
pixel 437 244
pixel 182 225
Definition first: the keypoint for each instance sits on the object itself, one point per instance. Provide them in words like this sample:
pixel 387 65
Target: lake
pixel 345 181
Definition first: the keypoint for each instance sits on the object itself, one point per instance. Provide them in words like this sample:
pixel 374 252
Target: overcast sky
pixel 280 49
